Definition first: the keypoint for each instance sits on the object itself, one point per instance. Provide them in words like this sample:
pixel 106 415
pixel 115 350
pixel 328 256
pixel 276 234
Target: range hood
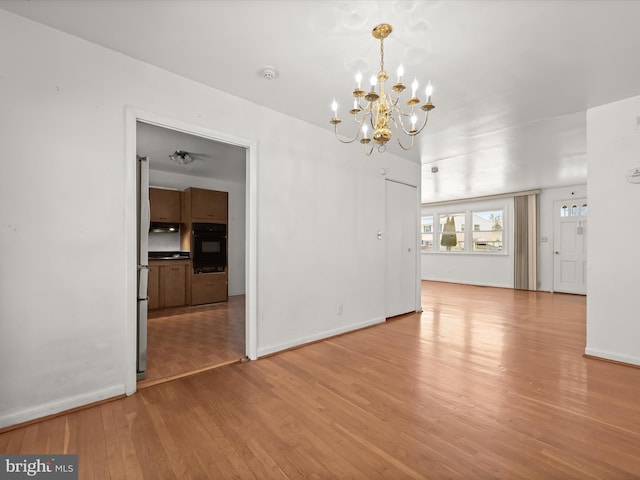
pixel 163 227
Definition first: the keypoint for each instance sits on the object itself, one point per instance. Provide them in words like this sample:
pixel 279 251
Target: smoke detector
pixel 269 73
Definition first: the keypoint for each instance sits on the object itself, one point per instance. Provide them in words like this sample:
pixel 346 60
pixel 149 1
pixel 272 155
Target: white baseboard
pixel 58 406
pixel 463 282
pixel 618 357
pixel 266 350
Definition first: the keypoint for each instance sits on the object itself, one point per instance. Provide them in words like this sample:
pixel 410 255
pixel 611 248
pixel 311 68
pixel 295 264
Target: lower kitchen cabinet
pixel 153 286
pixel 208 288
pixel 167 284
pixel 174 285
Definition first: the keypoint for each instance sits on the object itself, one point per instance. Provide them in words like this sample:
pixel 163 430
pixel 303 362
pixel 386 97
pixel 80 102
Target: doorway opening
pixel 183 339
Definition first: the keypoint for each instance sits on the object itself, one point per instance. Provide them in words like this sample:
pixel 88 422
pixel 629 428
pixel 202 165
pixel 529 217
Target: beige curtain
pixel 526 242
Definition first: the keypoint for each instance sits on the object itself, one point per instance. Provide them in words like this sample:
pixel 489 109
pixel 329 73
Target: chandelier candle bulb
pixel 364 139
pixel 334 106
pixel 414 87
pixel 400 73
pixel 428 91
pixel 356 108
pixel 359 80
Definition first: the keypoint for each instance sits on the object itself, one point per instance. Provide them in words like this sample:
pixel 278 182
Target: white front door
pixel 401 235
pixel 570 246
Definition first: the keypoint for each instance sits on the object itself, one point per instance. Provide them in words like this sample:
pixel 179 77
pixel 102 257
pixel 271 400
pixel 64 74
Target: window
pixel 564 211
pixel 452 232
pixel 574 210
pixel 489 234
pixel 470 231
pixel 426 241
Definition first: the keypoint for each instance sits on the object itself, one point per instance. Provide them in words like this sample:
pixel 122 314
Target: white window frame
pixel 445 210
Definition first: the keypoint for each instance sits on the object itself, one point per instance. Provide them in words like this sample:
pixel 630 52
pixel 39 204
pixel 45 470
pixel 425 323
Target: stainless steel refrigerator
pixel 143 210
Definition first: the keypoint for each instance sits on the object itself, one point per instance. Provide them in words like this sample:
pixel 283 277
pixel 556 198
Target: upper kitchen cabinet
pixel 165 205
pixel 207 205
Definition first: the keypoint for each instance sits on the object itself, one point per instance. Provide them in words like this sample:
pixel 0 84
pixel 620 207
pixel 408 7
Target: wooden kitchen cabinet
pixel 168 283
pixel 165 205
pixel 208 288
pixel 208 205
pixel 174 285
pixel 153 286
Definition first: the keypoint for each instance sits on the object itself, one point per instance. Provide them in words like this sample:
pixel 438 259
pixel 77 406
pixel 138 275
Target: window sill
pixel 480 254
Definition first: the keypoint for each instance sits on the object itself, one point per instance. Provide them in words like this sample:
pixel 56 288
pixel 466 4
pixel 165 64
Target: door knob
pixel 557 252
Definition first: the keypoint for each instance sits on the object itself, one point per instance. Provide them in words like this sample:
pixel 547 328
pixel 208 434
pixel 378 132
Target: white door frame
pixel 554 257
pixel 132 116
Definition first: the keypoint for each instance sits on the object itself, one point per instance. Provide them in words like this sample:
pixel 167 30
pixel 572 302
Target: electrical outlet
pixel 339 309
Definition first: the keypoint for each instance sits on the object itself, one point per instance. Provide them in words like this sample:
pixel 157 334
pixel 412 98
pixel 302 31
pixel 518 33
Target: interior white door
pixel 401 240
pixel 570 246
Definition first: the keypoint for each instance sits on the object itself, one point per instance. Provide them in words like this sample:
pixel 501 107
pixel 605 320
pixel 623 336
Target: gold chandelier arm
pixel 401 114
pixel 362 120
pixel 424 124
pixel 368 153
pixel 412 136
pixel 410 146
pixel 365 112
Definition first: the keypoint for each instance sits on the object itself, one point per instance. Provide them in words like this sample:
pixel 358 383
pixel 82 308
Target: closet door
pixel 401 240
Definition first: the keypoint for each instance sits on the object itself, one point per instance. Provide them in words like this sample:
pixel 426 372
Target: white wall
pixel 479 269
pixel 495 270
pixel 546 226
pixel 613 263
pixel 64 258
pixel 236 226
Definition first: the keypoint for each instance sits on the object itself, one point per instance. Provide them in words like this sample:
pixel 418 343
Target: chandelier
pixel 382 111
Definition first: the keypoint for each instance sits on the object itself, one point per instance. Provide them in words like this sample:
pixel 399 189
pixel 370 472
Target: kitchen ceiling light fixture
pixel 382 111
pixel 181 157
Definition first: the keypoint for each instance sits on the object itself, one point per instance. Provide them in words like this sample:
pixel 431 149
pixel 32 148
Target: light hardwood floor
pixel 190 339
pixel 485 383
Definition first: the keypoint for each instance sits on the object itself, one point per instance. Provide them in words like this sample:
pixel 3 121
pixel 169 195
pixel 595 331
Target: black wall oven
pixel 209 249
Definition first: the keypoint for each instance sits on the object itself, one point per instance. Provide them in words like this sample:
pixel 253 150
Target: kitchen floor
pixel 186 340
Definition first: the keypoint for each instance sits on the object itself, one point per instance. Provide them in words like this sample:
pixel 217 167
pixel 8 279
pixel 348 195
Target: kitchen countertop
pixel 169 256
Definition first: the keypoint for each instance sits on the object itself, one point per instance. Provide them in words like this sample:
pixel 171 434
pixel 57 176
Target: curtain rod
pixel 486 197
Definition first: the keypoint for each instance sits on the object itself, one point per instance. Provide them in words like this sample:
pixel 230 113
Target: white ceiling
pixel 512 79
pixel 211 159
